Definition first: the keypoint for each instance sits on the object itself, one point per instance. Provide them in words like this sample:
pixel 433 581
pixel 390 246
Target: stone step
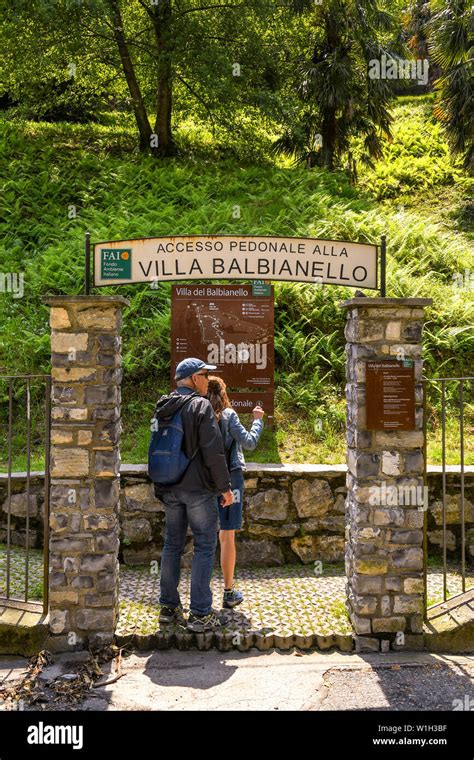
pixel 450 626
pixel 172 637
pixel 22 631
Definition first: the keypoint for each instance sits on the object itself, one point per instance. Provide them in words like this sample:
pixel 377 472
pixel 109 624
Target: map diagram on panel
pixel 226 326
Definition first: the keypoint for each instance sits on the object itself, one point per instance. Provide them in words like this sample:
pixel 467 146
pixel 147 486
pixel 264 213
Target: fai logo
pixel 116 263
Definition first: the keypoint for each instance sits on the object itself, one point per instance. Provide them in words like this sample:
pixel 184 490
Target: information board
pixel 226 326
pixel 244 401
pixel 390 394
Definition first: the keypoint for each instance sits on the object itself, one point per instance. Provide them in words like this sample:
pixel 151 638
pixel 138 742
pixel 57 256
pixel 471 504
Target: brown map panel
pixel 390 395
pixel 227 326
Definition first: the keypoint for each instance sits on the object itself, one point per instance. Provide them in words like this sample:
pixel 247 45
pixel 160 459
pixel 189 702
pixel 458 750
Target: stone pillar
pixel 85 464
pixel 384 525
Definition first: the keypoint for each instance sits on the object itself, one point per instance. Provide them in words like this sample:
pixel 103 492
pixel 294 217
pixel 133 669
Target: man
pixel 193 499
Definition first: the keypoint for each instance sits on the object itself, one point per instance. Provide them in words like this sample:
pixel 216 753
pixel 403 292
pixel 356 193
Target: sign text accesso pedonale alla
pixel 251 246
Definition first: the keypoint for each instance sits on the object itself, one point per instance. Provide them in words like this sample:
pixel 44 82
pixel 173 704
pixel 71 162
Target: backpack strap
pixel 188 397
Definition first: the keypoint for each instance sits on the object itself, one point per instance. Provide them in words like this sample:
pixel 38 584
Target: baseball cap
pixel 189 366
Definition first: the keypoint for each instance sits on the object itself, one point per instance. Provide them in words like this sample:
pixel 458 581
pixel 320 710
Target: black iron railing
pixel 460 399
pixel 19 390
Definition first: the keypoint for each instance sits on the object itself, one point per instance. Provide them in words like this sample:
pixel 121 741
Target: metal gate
pixel 25 412
pixel 460 396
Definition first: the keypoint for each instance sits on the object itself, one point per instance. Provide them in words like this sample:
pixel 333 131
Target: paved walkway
pixel 278 600
pixel 272 681
pixel 283 606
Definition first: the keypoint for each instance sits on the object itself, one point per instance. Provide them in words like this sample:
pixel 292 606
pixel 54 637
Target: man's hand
pixel 258 413
pixel 227 499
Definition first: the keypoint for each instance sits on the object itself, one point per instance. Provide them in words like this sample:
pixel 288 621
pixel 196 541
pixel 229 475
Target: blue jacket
pixel 236 437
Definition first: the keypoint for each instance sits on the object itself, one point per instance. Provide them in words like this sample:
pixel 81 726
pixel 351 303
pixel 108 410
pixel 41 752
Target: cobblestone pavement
pixel 281 601
pixel 18 570
pixel 288 599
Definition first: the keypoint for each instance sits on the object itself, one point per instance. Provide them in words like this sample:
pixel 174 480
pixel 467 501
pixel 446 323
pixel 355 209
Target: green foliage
pixel 332 77
pixel 451 45
pixel 218 62
pixel 118 193
pixel 36 591
pixel 57 101
pixel 338 610
pixel 417 159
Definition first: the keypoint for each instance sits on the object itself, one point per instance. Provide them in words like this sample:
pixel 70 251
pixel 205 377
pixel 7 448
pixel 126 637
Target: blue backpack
pixel 167 461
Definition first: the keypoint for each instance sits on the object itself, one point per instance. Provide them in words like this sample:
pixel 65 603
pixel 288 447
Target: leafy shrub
pixel 118 193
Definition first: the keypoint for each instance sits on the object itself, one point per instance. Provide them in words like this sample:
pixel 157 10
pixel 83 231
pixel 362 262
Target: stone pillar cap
pixel 387 302
pixel 94 300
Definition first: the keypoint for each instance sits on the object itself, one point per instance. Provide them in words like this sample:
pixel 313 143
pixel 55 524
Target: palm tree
pixel 452 47
pixel 417 29
pixel 339 97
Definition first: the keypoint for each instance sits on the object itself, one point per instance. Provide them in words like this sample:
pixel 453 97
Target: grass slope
pixel 64 179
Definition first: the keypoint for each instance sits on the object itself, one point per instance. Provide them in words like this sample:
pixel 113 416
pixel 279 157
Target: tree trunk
pixel 143 124
pixel 329 139
pixel 329 126
pixel 164 96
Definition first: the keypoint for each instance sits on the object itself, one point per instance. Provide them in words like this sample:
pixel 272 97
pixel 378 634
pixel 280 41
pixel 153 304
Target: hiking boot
pixel 202 623
pixel 232 598
pixel 172 615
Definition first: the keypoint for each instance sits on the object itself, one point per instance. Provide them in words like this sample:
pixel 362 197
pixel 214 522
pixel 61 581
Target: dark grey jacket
pixel 208 469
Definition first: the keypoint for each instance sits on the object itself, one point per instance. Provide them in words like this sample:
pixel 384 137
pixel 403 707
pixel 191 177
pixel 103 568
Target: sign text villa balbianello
pixel 207 257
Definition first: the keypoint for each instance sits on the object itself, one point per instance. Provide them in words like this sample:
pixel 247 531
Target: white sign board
pixel 233 257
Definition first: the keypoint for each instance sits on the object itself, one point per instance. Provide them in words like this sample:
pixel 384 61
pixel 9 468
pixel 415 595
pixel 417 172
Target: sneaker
pixel 202 623
pixel 172 615
pixel 232 598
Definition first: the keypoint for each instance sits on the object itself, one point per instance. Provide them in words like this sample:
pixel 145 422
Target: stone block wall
pixel 19 502
pixel 85 463
pixel 384 526
pixel 292 514
pixel 306 524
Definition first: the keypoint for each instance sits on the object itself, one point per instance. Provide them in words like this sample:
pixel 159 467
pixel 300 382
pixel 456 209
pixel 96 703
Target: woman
pixel 235 437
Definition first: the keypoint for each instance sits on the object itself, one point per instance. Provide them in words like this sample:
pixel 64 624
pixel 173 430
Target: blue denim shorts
pixel 230 518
